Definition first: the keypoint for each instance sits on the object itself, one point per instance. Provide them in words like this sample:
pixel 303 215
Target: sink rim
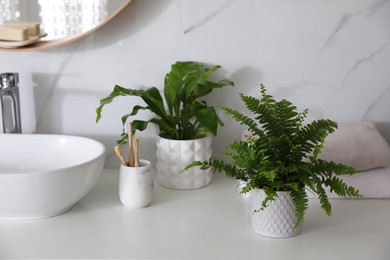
pixel 100 151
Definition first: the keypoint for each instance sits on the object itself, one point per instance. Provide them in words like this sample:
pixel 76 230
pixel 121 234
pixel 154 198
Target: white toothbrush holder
pixel 136 185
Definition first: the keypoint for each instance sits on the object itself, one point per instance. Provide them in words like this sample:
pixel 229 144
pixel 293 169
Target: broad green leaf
pixel 139 125
pixel 124 118
pixel 138 108
pixel 133 113
pixel 175 81
pixel 155 103
pixel 207 117
pixel 198 80
pixel 206 88
pixel 117 91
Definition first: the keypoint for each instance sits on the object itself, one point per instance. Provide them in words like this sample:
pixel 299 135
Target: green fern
pixel 301 203
pixel 281 154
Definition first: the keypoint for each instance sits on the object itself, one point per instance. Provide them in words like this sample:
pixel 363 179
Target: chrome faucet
pixel 10 102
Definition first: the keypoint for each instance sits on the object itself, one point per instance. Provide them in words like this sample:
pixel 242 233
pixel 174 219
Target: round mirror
pixel 64 21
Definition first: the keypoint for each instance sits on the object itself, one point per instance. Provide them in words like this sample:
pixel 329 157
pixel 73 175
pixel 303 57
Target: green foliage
pixel 180 114
pixel 281 154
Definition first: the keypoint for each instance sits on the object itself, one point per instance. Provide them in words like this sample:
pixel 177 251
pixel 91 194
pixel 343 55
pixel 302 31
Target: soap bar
pixel 33 28
pixel 13 34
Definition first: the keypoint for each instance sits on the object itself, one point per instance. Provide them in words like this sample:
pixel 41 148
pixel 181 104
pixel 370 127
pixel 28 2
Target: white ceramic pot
pixel 277 220
pixel 174 155
pixel 136 185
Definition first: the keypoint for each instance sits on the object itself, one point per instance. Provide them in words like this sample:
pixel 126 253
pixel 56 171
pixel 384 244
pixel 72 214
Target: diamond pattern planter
pixel 174 155
pixel 277 220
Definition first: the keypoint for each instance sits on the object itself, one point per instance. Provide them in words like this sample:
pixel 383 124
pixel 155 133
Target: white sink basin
pixel 45 175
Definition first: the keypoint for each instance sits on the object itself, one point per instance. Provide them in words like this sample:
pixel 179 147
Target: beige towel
pixel 357 144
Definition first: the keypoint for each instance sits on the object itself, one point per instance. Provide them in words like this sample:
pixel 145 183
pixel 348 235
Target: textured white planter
pixel 136 185
pixel 174 155
pixel 277 220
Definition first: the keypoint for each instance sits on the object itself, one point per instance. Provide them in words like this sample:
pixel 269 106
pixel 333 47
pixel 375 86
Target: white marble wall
pixel 331 56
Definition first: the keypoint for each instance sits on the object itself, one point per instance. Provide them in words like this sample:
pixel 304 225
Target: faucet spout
pixel 10 102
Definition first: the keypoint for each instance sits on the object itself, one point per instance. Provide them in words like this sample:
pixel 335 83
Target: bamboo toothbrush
pixel 136 149
pixel 131 152
pixel 119 154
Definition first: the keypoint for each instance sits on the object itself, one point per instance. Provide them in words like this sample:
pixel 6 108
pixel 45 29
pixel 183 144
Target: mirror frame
pixel 46 44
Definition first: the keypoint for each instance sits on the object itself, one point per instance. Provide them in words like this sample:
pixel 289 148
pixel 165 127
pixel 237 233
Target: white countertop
pixel 209 223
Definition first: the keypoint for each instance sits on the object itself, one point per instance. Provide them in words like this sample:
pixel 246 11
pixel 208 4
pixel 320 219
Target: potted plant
pixel 185 122
pixel 278 161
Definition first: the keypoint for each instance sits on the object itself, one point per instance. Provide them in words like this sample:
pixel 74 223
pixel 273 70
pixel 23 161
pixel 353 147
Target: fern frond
pixel 241 153
pixel 302 116
pixel 269 175
pixel 324 200
pixel 313 134
pixel 317 150
pixel 271 195
pixel 218 166
pixel 288 116
pixel 327 169
pixel 301 204
pixel 202 165
pixel 265 113
pixel 339 187
pixel 277 117
pixel 244 120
